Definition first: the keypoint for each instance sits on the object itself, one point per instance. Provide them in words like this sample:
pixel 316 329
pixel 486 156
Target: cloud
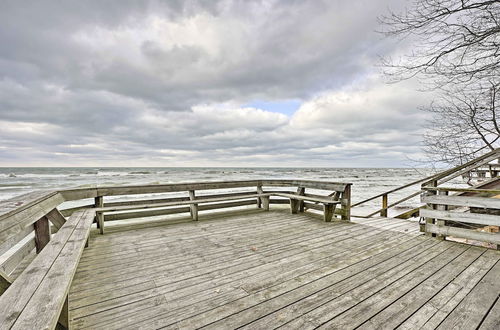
pixel 142 83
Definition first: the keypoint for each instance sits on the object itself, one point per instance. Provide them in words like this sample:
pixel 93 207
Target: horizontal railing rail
pixel 471 213
pixel 475 218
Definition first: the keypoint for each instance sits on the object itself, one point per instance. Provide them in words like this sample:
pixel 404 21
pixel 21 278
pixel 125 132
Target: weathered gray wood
pixel 63 321
pixel 269 276
pixel 13 240
pixel 301 191
pixel 441 222
pixel 324 200
pixel 198 200
pixel 471 311
pixel 99 203
pixel 193 207
pixel 294 205
pixel 464 233
pixel 492 320
pixel 79 193
pixel 471 190
pixel 5 282
pixel 434 311
pixel 385 203
pixel 328 210
pixel 320 185
pixel 346 203
pixel 44 307
pixel 467 217
pixel 14 300
pixel 56 218
pixel 42 233
pixel 263 199
pixel 468 201
pixel 17 257
pixel 10 207
pixel 16 221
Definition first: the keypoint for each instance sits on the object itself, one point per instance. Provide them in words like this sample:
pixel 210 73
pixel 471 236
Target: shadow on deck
pixel 263 270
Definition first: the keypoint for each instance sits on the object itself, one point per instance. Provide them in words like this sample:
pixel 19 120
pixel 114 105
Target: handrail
pixel 434 180
pixel 391 191
pixel 464 168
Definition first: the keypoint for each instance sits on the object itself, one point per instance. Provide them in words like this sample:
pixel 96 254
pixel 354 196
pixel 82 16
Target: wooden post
pixel 99 202
pixel 42 233
pixel 301 191
pixel 56 218
pixel 63 321
pixel 328 210
pixel 264 199
pixel 346 203
pixel 5 282
pixel 193 207
pixel 385 203
pixel 259 191
pixel 441 223
pixel 294 205
pixel 431 206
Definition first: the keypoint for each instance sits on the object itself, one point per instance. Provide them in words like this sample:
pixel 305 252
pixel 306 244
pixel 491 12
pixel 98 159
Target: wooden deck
pixel 263 270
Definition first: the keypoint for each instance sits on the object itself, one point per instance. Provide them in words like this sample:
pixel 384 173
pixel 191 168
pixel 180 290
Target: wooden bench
pixel 38 298
pixel 193 203
pixel 263 198
pixel 329 204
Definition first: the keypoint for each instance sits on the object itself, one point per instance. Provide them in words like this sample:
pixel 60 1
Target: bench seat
pixel 329 204
pixel 190 202
pixel 323 200
pixel 37 299
pixel 193 203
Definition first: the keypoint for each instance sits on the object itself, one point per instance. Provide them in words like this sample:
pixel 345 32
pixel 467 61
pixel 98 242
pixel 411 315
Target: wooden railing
pixel 470 213
pixel 475 218
pixel 383 211
pixel 479 168
pixel 28 222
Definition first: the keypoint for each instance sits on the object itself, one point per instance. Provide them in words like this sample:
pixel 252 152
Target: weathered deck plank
pixel 270 269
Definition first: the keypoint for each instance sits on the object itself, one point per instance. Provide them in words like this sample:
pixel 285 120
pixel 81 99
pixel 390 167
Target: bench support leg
pixel 193 207
pixel 328 210
pixel 5 282
pixel 100 222
pixel 294 205
pixel 63 322
pixel 42 233
pixel 265 203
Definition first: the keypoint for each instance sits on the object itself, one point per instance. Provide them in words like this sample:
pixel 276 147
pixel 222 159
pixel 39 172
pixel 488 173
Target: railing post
pixel 193 207
pixel 264 199
pixel 301 191
pixel 431 206
pixel 346 203
pixel 441 223
pixel 42 233
pixel 385 203
pixel 259 191
pixel 99 202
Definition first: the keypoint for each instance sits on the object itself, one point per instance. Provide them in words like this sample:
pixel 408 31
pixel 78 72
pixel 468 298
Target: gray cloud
pixel 162 83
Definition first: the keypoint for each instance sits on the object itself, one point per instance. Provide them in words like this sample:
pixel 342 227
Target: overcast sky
pixel 202 83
